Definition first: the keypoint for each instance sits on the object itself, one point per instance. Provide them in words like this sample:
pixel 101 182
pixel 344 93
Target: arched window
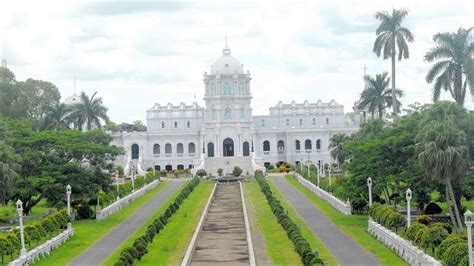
pixel 175 124
pixel 307 144
pixel 180 167
pixel 191 148
pixel 189 124
pixel 156 149
pixel 301 122
pixel 135 151
pixel 168 149
pixel 169 167
pixel 297 145
pixel 287 122
pixel 228 147
pixel 281 146
pixel 327 121
pixel 318 144
pixel 162 124
pixel 227 88
pixel 266 145
pixel 246 148
pixel 314 121
pixel 263 122
pixel 210 149
pixel 180 149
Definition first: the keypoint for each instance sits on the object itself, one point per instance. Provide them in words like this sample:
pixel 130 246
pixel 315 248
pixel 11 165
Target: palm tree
pixel 57 117
pixel 390 36
pixel 443 151
pixel 89 111
pixel 377 96
pixel 338 151
pixel 453 70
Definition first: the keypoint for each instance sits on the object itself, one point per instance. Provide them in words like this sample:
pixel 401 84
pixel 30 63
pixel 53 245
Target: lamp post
pixel 68 193
pixel 319 173
pixel 330 175
pixel 408 195
pixel 469 220
pixel 19 209
pixel 118 189
pixel 133 177
pixel 301 165
pixel 369 184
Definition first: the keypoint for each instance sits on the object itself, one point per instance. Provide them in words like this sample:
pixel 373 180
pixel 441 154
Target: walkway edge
pixel 187 257
pixel 247 228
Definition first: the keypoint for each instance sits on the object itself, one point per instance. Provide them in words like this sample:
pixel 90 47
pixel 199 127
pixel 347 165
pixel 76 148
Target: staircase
pixel 228 163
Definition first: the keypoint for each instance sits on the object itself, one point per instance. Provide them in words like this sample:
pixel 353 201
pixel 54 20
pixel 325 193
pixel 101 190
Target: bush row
pixel 387 216
pixel 301 244
pixel 139 247
pixel 33 233
pixel 125 188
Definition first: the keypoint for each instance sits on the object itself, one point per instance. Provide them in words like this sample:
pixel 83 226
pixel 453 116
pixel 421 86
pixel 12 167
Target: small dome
pixel 227 64
pixel 73 99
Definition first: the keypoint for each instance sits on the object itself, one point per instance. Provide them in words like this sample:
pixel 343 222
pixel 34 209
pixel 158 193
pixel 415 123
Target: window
pixel 162 124
pixel 213 89
pixel 246 149
pixel 227 114
pixel 314 121
pixel 189 124
pixel 281 146
pixel 214 114
pixel 242 113
pixel 227 88
pixel 175 124
pixel 210 149
pixel 156 149
pixel 168 148
pixel 301 121
pixel 297 145
pixel 318 144
pixel 327 121
pixel 241 88
pixel 287 122
pixel 263 122
pixel 308 145
pixel 191 148
pixel 266 145
pixel 180 148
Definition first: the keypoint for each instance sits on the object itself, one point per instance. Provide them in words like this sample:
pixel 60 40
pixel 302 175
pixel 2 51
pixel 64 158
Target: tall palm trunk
pixel 394 100
pixel 448 203
pixel 456 210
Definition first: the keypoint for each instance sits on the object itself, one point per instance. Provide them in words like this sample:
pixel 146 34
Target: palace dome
pixel 227 64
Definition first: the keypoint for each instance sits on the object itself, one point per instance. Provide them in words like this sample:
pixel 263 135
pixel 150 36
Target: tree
pixel 338 151
pixel 9 168
pixel 443 150
pixel 220 171
pixel 377 96
pixel 392 37
pixel 37 96
pixel 57 117
pixel 237 171
pixel 89 112
pixel 453 69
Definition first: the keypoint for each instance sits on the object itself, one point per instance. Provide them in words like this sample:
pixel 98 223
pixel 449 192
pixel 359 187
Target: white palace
pixel 224 133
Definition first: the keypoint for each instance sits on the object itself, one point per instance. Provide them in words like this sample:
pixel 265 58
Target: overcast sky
pixel 138 54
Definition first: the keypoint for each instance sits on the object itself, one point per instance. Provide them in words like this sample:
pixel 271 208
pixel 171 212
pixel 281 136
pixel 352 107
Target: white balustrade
pixel 119 204
pixel 44 249
pixel 338 204
pixel 404 248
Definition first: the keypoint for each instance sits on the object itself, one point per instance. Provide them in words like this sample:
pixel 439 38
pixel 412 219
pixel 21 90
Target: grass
pixel 169 246
pixel 355 226
pixel 279 247
pixel 8 212
pixel 312 238
pixel 87 232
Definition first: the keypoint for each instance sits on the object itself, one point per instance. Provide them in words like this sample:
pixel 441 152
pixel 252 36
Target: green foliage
pixel 446 243
pixel 413 230
pixel 337 145
pixel 88 112
pixel 377 96
pixel 423 219
pixel 386 216
pixel 201 172
pixel 301 244
pixel 446 226
pixel 220 171
pixel 237 171
pixel 455 254
pixel 433 237
pixel 420 235
pixel 139 247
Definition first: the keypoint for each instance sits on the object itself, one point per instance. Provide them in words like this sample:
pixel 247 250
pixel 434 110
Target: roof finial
pixel 74 85
pixel 226 50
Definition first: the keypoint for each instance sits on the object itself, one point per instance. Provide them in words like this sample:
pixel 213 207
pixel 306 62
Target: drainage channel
pixel 223 234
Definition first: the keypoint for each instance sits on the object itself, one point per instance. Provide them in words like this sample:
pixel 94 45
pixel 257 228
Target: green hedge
pixel 139 247
pixel 301 244
pixel 125 188
pixel 387 216
pixel 35 234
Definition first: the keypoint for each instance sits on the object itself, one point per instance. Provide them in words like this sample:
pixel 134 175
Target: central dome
pixel 227 64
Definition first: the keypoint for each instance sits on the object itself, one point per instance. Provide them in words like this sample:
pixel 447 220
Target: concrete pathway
pixel 98 252
pixel 344 248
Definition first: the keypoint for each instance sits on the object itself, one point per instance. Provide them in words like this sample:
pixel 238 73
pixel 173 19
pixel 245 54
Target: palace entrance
pixel 228 147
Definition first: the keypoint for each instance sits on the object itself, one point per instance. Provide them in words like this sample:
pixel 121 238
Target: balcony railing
pixel 266 152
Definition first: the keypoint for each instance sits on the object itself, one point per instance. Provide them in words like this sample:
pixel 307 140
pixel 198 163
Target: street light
pixel 118 190
pixel 369 184
pixel 330 175
pixel 19 208
pixel 408 195
pixel 68 193
pixel 469 220
pixel 133 177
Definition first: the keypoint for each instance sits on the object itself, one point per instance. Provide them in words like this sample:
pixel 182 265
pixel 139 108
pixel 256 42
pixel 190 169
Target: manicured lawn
pixel 169 246
pixel 279 247
pixel 354 226
pixel 87 232
pixel 8 212
pixel 313 239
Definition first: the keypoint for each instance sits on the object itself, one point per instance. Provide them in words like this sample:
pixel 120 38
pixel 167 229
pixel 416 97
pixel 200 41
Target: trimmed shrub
pixel 423 219
pixel 201 173
pixel 413 230
pixel 220 171
pixel 446 226
pixel 237 171
pixel 455 253
pixel 433 237
pixel 446 243
pixel 6 248
pixel 420 235
pixel 396 220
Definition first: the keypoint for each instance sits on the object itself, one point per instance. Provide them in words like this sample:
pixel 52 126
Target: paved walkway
pixel 98 252
pixel 344 248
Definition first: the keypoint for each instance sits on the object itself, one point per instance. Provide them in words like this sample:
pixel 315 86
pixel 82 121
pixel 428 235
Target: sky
pixel 135 54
